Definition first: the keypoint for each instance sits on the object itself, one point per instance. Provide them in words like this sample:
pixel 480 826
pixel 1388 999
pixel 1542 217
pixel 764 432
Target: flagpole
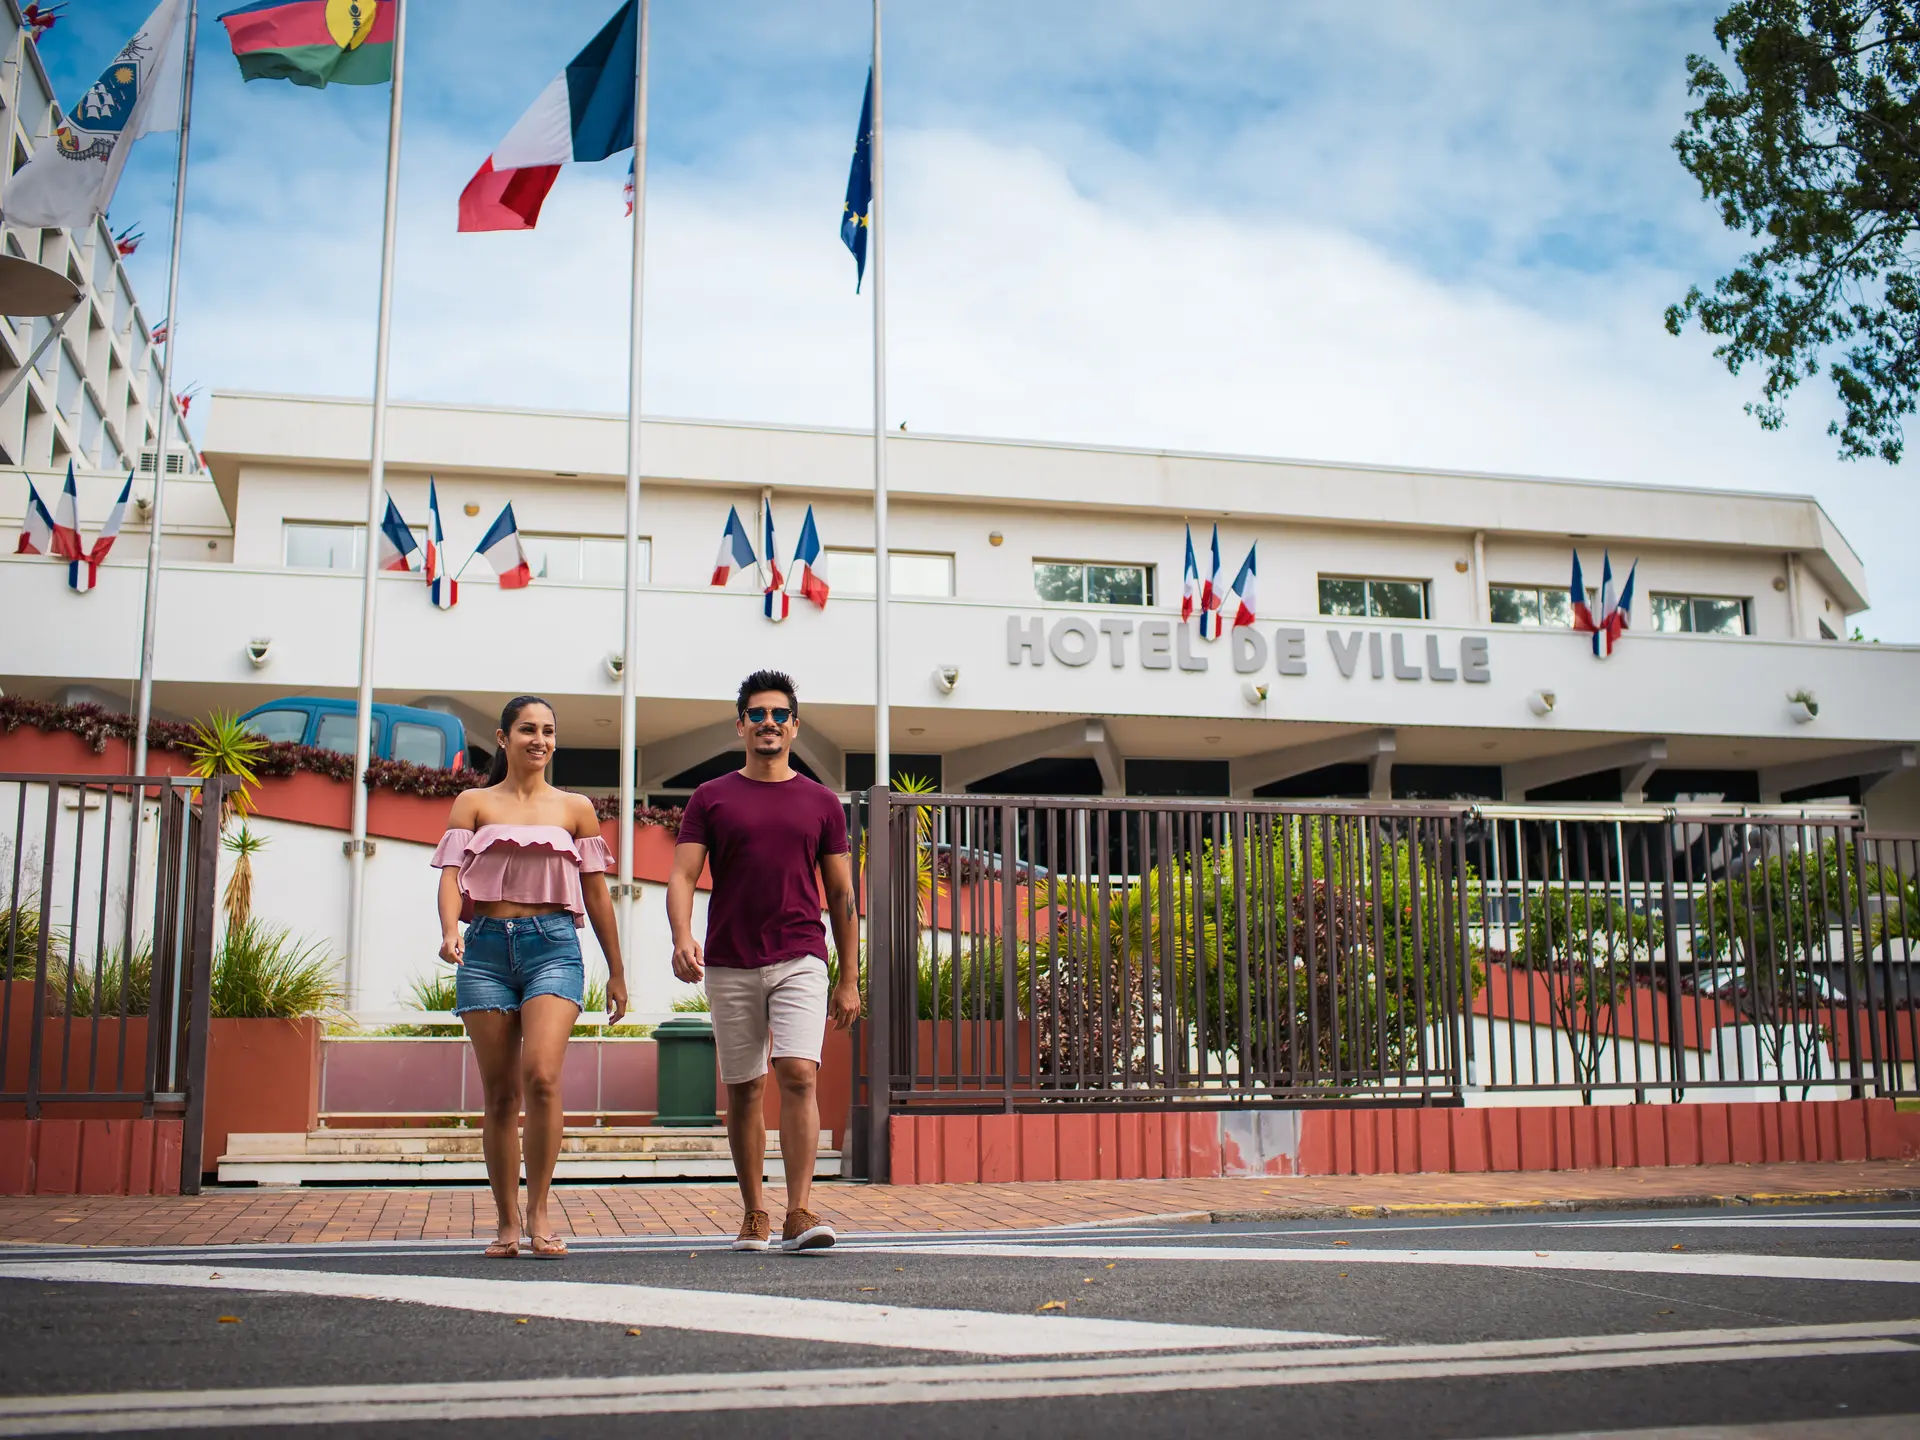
pixel 882 578
pixel 150 607
pixel 630 628
pixel 376 505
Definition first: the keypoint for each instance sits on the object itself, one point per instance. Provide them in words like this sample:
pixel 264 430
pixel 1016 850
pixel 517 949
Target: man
pixel 770 835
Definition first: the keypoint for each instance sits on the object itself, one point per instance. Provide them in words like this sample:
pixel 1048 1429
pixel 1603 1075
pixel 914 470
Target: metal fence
pixel 1033 954
pixel 106 939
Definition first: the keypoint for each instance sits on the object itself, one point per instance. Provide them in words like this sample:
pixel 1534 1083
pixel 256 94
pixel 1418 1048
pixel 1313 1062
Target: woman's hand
pixel 616 998
pixel 453 947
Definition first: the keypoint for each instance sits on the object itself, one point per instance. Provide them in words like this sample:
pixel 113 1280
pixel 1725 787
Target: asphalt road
pixel 1799 1322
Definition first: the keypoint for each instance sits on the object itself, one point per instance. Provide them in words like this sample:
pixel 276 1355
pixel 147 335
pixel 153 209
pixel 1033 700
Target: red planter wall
pixel 932 1149
pixel 89 1157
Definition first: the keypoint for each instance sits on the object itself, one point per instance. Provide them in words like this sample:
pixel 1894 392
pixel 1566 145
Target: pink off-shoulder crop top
pixel 527 864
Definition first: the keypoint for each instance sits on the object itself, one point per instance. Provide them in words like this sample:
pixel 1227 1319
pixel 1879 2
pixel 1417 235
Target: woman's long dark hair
pixel 507 717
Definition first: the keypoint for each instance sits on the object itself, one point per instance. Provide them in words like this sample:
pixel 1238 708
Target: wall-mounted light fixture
pixel 470 508
pixel 615 662
pixel 1255 695
pixel 945 677
pixel 259 651
pixel 994 537
pixel 1541 702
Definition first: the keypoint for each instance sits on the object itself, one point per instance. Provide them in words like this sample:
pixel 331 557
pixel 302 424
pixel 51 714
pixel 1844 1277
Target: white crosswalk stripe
pixel 1657 1262
pixel 919 1384
pixel 897 1327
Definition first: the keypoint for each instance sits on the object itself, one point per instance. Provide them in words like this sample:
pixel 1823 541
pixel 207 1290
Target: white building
pixel 1410 638
pixel 93 397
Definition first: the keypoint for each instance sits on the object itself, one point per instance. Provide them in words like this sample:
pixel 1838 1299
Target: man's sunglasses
pixel 757 715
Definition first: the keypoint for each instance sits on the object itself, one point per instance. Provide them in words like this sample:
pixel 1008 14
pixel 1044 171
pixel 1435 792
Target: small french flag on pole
pixel 1189 581
pixel 501 547
pixel 1582 611
pixel 442 588
pixel 736 550
pixel 773 603
pixel 66 521
pixel 36 534
pixel 805 576
pixel 1615 622
pixel 1210 596
pixel 398 549
pixel 1245 590
pixel 84 574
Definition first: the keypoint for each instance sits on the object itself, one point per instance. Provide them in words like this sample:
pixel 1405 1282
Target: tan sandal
pixel 548 1247
pixel 503 1250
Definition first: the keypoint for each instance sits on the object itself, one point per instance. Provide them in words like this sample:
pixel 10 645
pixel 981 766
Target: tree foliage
pixel 1812 147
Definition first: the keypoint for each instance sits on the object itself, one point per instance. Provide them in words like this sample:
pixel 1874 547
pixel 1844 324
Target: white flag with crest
pixel 71 177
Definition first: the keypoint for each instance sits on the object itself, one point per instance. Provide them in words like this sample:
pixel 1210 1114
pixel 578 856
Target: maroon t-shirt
pixel 764 840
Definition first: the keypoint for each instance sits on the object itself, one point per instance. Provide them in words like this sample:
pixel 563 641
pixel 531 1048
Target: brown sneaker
pixel 805 1230
pixel 754 1231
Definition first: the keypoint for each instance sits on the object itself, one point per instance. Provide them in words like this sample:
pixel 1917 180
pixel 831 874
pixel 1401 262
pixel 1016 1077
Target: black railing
pixel 1033 954
pixel 106 944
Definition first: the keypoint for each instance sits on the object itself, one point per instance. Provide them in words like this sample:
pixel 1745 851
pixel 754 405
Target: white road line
pixel 1850 1427
pixel 966 1332
pixel 1656 1262
pixel 898 1385
pixel 1757 1222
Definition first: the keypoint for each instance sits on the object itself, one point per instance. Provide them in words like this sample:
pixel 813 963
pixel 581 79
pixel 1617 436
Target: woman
pixel 525 864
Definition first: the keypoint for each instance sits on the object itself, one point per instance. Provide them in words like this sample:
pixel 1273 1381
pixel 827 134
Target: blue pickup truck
pixel 400 732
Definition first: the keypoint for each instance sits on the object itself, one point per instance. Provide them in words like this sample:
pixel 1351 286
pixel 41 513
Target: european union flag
pixel 853 220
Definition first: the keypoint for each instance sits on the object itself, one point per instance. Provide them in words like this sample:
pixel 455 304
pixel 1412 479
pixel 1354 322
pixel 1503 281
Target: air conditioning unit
pixel 176 462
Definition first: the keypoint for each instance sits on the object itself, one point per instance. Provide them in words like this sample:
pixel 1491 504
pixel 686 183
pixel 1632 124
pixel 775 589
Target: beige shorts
pixel 782 1007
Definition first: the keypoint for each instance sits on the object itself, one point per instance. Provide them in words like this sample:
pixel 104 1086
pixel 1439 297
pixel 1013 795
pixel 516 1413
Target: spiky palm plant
pixel 223 745
pixel 237 900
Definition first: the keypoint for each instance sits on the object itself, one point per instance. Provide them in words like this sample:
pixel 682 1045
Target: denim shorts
pixel 508 962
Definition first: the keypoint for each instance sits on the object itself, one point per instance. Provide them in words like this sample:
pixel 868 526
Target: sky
pixel 1399 233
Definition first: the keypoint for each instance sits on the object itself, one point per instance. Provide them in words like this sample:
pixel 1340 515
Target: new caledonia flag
pixel 585 113
pixel 313 42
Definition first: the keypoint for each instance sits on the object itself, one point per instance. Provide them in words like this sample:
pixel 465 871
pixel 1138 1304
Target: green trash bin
pixel 686 1071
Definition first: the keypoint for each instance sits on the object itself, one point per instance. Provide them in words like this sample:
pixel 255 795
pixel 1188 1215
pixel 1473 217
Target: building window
pixel 1701 615
pixel 1547 606
pixel 916 574
pixel 312 546
pixel 1089 582
pixel 584 559
pixel 1374 599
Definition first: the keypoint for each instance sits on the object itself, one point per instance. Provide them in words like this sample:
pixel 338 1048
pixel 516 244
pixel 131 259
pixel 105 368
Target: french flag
pixel 66 521
pixel 806 565
pixel 1615 621
pixel 585 113
pixel 442 588
pixel 84 574
pixel 1189 581
pixel 398 548
pixel 501 547
pixel 1210 596
pixel 1245 590
pixel 736 550
pixel 773 603
pixel 36 534
pixel 1582 611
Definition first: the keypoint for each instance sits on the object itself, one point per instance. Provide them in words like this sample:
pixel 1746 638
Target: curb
pixel 1552 1207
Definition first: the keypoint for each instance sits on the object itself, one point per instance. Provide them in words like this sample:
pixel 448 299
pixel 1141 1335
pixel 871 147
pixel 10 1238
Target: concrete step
pixel 450 1155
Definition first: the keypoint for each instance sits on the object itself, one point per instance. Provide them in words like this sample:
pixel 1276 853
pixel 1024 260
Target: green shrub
pixel 20 931
pixel 117 978
pixel 262 972
pixel 692 1004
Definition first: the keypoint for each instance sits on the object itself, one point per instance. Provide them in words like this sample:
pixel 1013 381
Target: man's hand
pixel 843 1007
pixel 453 946
pixel 688 963
pixel 616 998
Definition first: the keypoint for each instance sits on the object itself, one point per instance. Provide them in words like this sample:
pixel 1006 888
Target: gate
pixel 106 939
pixel 1041 955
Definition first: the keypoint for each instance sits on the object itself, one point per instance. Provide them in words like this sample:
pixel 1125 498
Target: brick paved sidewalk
pixel 234 1217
